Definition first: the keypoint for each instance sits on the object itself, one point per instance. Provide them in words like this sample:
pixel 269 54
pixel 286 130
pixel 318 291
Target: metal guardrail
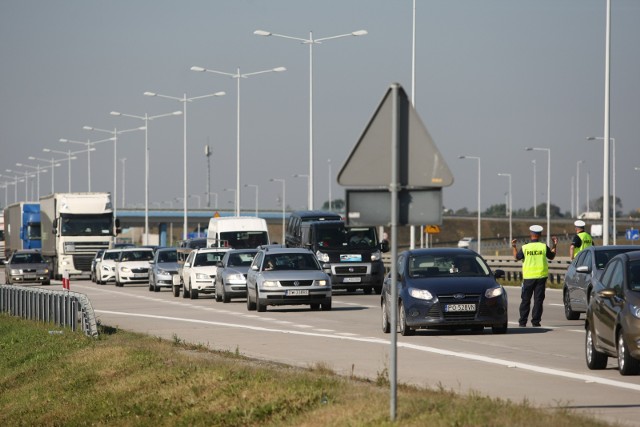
pixel 512 268
pixel 67 309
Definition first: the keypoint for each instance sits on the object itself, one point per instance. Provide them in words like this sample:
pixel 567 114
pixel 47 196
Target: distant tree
pixel 496 210
pixel 336 205
pixel 463 212
pixel 597 205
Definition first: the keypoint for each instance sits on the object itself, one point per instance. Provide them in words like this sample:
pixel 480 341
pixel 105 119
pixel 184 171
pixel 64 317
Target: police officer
pixel 535 270
pixel 581 240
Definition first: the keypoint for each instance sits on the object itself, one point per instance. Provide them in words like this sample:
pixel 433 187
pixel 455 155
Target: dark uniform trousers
pixel 535 288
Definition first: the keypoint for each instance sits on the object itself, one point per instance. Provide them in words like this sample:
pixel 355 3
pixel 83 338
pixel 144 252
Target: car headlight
pixel 494 292
pixel 322 257
pixel 321 282
pixel 43 271
pixel 375 256
pixel 15 271
pixel 270 283
pixel 635 310
pixel 202 276
pixel 162 272
pixel 236 278
pixel 125 269
pixel 420 294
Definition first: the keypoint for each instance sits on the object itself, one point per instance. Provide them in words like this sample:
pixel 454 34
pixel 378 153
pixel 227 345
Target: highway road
pixel 543 366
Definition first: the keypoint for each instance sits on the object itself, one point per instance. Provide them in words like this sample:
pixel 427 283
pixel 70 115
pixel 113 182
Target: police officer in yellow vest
pixel 581 240
pixel 534 273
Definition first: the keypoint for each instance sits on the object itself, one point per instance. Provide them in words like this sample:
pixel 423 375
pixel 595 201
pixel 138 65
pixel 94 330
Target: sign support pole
pixel 395 155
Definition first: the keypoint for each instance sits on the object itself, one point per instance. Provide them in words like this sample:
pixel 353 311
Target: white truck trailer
pixel 74 226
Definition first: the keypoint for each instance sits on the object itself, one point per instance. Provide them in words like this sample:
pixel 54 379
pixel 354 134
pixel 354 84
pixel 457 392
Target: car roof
pixel 631 256
pixel 166 249
pixel 207 250
pixel 314 214
pixel 286 250
pixel 612 247
pixel 136 249
pixel 114 250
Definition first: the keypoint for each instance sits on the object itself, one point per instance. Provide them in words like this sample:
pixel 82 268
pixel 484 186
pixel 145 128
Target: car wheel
pixel 377 289
pixel 502 329
pixel 47 283
pixel 595 359
pixel 193 293
pixel 225 297
pixel 150 286
pixel 404 329
pixel 185 292
pixel 627 365
pixel 386 326
pixel 218 296
pixel 568 312
pixel 477 328
pixel 367 290
pixel 326 305
pixel 259 306
pixel 315 306
pixel 176 291
pixel 250 305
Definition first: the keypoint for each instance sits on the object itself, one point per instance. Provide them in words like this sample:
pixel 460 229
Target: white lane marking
pixel 589 379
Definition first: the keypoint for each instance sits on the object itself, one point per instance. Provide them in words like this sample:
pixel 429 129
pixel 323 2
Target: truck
pixel 590 215
pixel 22 227
pixel 351 256
pixel 237 232
pixel 74 227
pixel 2 256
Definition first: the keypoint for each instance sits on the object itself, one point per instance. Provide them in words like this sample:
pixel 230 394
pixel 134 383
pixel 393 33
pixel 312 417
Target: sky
pixel 492 77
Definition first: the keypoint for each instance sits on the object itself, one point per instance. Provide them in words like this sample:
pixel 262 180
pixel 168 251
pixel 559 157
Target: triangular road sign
pixel 421 164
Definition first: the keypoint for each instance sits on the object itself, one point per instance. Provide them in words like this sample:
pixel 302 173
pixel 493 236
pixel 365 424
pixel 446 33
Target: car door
pixel 606 308
pixel 573 278
pixel 186 268
pixel 253 272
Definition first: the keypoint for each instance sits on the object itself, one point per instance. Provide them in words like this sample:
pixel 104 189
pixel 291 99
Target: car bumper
pixel 280 297
pixel 423 314
pixel 232 290
pixel 34 278
pixel 137 278
pixel 368 274
pixel 204 286
pixel 164 281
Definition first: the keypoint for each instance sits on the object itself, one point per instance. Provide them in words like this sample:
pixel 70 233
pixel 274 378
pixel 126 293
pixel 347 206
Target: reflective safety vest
pixel 587 241
pixel 535 264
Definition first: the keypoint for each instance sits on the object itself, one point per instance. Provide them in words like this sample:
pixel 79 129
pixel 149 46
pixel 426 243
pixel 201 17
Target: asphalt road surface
pixel 543 366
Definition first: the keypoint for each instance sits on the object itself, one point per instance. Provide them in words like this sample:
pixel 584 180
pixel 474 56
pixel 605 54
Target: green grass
pixel 124 378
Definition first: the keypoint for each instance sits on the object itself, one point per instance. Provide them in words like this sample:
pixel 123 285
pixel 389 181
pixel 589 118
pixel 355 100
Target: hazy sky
pixel 493 76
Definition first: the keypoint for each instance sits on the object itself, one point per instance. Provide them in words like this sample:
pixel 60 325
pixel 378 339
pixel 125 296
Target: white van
pixel 237 232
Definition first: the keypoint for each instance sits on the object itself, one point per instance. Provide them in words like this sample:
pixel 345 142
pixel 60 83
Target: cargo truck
pixel 22 227
pixel 2 257
pixel 74 227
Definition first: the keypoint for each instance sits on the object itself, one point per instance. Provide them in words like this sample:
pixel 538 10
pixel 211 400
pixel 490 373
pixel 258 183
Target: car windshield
pixel 241 259
pixel 291 261
pixel 27 259
pixel 86 224
pixel 168 256
pixel 337 236
pixel 136 256
pixel 603 257
pixel 111 255
pixel 446 265
pixel 207 259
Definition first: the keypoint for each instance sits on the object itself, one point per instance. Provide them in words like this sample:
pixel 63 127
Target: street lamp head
pixel 221 93
pixel 46 150
pixel 591 138
pixel 528 149
pixel 19 164
pixel 87 127
pixel 359 33
pixel 261 33
pixel 177 113
pixel 31 158
pixel 195 68
pixel 115 113
pixel 150 94
pixel 279 69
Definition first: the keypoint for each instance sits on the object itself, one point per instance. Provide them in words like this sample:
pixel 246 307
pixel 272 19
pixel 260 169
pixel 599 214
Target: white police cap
pixel 536 229
pixel 579 223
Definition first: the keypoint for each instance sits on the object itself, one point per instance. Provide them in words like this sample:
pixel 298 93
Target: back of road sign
pixel 421 164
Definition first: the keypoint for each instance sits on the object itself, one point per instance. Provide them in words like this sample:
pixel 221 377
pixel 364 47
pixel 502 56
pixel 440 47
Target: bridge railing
pixel 511 267
pixel 63 308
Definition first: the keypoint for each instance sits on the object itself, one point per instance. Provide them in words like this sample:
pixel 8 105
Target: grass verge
pixel 124 378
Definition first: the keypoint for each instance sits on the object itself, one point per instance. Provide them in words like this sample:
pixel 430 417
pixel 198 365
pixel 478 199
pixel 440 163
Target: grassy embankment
pixel 129 379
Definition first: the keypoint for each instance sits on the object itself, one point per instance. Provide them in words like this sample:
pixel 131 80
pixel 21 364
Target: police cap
pixel 536 229
pixel 579 223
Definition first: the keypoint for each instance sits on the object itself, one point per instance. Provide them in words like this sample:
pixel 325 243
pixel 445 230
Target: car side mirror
pixel 254 267
pixel 584 269
pixel 607 293
pixel 187 264
pixel 219 264
pixel 152 262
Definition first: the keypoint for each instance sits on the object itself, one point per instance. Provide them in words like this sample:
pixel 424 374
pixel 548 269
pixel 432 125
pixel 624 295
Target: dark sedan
pixel 231 280
pixel 26 266
pixel 613 316
pixel 445 289
pixel 585 267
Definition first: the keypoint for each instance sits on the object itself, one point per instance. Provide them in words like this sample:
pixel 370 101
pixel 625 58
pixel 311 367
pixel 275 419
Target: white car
pixel 199 271
pixel 467 242
pixel 133 266
pixel 106 266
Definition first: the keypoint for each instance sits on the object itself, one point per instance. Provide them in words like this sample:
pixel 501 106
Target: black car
pixel 447 288
pixel 578 280
pixel 613 316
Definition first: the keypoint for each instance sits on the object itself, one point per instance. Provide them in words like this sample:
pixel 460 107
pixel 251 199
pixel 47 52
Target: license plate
pixel 29 276
pixel 139 275
pixel 296 292
pixel 459 307
pixel 352 280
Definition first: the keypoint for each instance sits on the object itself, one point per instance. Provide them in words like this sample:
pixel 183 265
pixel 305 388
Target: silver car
pixel 583 271
pixel 287 276
pixel 164 266
pixel 231 280
pixel 26 266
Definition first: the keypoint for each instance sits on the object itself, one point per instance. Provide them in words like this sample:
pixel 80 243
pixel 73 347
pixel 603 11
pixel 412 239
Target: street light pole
pixel 510 207
pixel 146 118
pixel 310 41
pixel 54 164
pixel 479 214
pixel 238 76
pixel 70 156
pixel 184 101
pixel 256 187
pixel 88 143
pixel 123 160
pixel 330 180
pixel 115 132
pixel 613 171
pixel 284 203
pixel 578 186
pixel 535 207
pixel 548 150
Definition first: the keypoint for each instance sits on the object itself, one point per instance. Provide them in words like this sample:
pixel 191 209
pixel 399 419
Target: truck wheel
pixel 367 290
